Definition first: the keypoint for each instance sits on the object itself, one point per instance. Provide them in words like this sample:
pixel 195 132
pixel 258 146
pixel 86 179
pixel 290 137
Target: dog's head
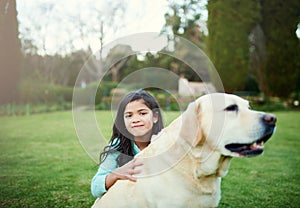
pixel 225 123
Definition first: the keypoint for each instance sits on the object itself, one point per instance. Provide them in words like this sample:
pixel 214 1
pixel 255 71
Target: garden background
pixel 254 46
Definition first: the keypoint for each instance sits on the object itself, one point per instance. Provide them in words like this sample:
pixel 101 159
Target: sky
pixel 52 24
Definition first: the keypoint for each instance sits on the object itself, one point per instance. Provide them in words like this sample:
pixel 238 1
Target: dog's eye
pixel 232 108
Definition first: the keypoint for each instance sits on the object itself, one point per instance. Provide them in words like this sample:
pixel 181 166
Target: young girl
pixel 138 118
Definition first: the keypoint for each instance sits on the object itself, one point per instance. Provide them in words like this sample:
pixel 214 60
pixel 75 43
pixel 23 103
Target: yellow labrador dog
pixel 184 163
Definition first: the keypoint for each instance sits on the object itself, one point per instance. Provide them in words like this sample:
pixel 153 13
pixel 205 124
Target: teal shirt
pixel 106 167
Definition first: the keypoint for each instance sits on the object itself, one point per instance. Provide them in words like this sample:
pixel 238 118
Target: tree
pixel 57 69
pixel 282 62
pixel 62 64
pixel 10 55
pixel 184 20
pixel 116 60
pixel 229 24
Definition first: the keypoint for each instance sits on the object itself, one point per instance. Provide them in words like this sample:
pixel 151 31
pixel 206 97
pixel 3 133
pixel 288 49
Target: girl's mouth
pixel 138 126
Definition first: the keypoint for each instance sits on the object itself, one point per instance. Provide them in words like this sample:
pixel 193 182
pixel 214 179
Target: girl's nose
pixel 135 118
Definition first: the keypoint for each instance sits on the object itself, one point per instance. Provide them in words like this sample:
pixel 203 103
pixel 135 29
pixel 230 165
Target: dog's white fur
pixel 184 164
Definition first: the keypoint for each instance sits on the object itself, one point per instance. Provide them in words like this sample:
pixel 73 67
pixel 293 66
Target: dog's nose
pixel 269 119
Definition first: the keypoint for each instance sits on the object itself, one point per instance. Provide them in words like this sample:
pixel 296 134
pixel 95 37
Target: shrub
pixel 87 95
pixel 266 104
pixel 29 109
pixel 36 93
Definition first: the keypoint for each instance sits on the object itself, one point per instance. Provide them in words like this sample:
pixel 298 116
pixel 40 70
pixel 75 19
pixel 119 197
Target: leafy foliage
pixel 229 24
pixel 184 19
pixel 37 92
pixel 274 48
pixel 280 18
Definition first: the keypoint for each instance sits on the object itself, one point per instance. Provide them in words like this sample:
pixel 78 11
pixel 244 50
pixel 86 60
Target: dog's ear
pixel 190 128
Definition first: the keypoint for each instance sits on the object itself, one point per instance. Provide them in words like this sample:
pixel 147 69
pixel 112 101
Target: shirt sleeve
pixel 106 167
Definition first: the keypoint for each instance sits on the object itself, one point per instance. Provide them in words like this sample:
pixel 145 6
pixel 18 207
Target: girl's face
pixel 139 120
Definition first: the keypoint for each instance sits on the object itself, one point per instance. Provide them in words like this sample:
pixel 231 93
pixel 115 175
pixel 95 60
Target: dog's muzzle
pixel 255 148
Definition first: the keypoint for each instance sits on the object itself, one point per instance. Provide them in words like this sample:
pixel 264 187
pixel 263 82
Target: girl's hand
pixel 125 172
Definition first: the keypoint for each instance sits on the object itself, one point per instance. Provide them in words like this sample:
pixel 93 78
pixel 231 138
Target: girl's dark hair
pixel 121 139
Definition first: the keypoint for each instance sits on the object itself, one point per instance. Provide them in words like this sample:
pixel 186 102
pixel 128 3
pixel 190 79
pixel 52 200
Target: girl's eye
pixel 143 113
pixel 233 107
pixel 127 115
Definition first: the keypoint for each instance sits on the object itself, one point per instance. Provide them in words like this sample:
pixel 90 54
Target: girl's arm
pixel 108 173
pixel 99 180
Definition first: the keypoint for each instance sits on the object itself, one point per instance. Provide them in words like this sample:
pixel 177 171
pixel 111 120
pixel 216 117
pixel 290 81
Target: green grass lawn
pixel 44 165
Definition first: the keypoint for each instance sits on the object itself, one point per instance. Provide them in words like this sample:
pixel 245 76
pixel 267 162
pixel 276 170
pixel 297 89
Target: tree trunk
pixel 10 54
